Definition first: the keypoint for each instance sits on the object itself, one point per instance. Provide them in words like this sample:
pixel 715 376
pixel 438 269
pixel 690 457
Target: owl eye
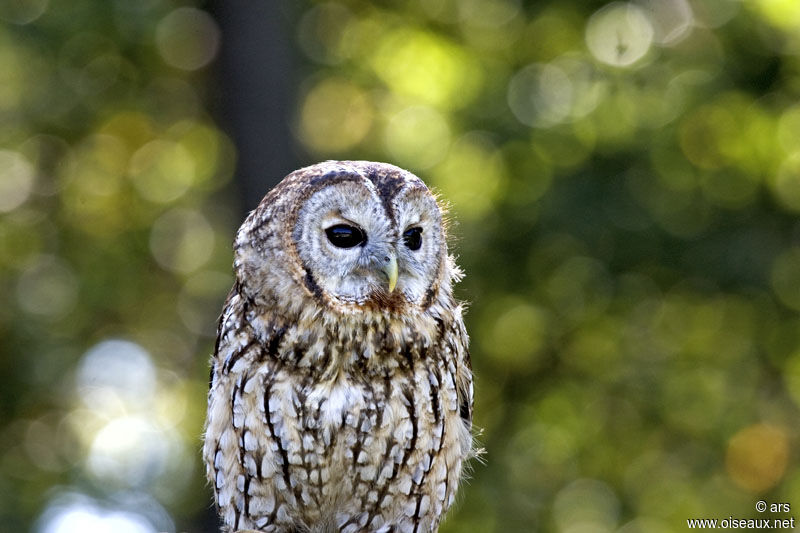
pixel 413 238
pixel 344 236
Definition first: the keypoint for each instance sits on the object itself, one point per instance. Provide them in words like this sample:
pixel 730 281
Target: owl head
pixel 351 235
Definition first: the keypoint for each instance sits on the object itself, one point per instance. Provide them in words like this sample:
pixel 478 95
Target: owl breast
pixel 331 436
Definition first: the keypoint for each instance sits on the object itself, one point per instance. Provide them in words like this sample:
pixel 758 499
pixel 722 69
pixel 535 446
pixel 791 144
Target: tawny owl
pixel 341 388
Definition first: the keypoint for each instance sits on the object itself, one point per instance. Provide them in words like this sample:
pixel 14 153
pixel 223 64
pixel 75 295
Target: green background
pixel 624 180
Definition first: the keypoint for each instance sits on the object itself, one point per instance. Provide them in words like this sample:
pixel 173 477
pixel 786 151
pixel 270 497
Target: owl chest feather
pixel 336 432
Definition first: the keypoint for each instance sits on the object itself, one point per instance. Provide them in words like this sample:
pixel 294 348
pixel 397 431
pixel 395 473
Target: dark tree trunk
pixel 257 90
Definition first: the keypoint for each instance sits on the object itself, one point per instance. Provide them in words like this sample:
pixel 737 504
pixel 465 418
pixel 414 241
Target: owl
pixel 341 389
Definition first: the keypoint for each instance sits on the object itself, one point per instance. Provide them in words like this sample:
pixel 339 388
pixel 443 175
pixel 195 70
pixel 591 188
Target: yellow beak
pixel 390 269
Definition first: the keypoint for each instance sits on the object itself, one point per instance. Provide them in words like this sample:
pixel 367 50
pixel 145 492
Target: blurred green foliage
pixel 625 178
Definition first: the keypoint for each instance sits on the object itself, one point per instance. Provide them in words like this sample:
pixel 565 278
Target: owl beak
pixel 390 269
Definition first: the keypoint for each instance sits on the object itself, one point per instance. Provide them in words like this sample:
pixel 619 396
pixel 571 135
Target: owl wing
pixel 459 344
pixel 236 337
pixel 465 390
pixel 223 327
pixel 237 349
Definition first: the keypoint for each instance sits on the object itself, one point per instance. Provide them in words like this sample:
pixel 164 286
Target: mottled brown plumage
pixel 339 402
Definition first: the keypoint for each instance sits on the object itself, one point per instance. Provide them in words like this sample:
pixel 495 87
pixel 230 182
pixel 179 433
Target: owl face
pixel 363 244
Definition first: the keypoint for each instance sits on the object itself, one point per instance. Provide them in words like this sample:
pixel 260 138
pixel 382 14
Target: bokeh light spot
pixel 554 32
pixel 672 20
pixel 49 155
pixel 321 31
pixel 162 171
pixel 22 11
pixel 182 240
pixel 540 95
pixel 42 444
pixel 16 180
pixel 427 68
pixel 786 277
pixel 715 13
pixel 757 456
pixel 472 175
pixel 90 63
pixel 700 135
pixel 210 149
pixel 12 77
pixel 98 168
pixel 579 288
pixel 595 346
pixel 48 287
pixel 619 34
pixel 418 137
pixel 488 13
pixel 787 182
pixel 115 371
pixel 586 505
pixel 187 38
pixel 129 450
pixel 133 128
pixel 92 186
pixel 126 512
pixel 88 519
pixel 693 400
pixel 335 116
pixel 789 128
pixel 781 13
pixel 516 335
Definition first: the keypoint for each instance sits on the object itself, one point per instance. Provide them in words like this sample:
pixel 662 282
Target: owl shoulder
pixel 245 335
